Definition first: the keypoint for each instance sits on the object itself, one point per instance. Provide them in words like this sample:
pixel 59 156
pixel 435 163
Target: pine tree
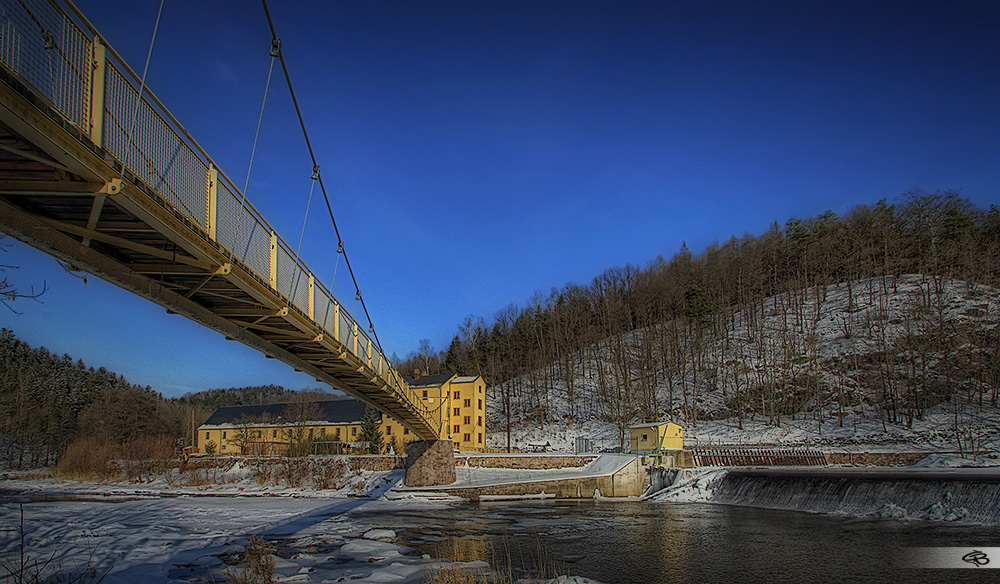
pixel 370 431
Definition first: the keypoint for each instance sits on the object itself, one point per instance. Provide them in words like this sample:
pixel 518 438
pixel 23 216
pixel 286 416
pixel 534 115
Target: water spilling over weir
pixel 938 495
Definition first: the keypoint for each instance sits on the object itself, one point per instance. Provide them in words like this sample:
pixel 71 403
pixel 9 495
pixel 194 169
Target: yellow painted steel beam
pixel 124 243
pixel 63 188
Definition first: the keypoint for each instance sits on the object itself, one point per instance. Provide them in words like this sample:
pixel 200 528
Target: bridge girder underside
pixel 61 194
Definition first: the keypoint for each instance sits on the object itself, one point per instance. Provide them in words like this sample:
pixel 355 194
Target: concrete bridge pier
pixel 430 463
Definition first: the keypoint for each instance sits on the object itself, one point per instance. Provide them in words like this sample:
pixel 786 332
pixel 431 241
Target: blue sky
pixel 476 152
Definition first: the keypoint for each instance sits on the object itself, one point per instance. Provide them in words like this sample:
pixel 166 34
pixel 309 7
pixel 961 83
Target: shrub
pixel 147 457
pixel 211 447
pixel 257 566
pixel 87 459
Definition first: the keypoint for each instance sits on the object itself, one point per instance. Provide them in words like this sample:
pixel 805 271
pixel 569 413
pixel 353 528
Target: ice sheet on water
pixel 380 534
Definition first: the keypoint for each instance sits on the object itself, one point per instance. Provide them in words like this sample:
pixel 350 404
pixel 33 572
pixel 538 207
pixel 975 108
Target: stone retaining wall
pixel 627 482
pixel 376 462
pixel 539 462
pixel 876 458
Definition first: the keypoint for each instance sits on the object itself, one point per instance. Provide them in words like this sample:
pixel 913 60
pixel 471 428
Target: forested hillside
pixel 48 401
pixel 744 328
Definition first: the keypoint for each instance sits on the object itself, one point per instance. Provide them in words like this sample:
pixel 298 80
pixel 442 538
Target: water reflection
pixel 645 543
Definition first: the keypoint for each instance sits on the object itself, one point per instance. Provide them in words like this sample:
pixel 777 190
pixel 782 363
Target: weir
pixel 968 495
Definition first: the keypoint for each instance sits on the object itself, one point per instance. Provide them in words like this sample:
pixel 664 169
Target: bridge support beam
pixel 430 463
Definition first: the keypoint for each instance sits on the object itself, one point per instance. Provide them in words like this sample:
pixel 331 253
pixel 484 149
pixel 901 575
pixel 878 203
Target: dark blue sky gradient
pixel 477 152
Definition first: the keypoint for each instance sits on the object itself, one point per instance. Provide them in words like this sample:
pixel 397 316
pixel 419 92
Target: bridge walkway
pixel 150 211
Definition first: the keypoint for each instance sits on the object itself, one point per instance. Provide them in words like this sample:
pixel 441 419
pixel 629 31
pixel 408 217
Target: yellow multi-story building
pixel 459 403
pixel 334 426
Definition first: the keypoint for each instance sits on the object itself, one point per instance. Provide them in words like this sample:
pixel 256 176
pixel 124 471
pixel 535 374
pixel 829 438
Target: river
pixel 193 539
pixel 647 543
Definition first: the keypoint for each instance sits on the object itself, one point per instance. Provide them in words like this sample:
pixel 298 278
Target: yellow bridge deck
pixel 170 226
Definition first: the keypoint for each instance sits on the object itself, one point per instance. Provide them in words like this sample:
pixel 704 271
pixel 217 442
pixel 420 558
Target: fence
pixel 757 457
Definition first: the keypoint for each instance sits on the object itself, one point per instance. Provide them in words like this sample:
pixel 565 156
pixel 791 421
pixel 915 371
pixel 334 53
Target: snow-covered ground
pixel 156 532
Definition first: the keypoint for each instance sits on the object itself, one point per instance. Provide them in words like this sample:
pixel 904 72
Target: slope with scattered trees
pixel 734 331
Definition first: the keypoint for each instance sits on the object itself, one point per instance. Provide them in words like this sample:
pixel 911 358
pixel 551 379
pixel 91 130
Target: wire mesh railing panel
pixel 323 312
pixel 228 213
pixel 300 289
pixel 49 52
pixel 151 149
pixel 257 253
pixel 287 269
pixel 345 330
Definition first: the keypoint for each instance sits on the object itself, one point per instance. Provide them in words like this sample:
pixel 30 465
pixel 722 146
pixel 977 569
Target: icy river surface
pixel 181 539
pixel 644 543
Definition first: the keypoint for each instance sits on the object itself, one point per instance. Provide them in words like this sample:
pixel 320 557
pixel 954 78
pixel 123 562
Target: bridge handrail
pixel 178 157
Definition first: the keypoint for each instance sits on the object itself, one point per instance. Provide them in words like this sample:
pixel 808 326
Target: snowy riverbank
pixel 156 532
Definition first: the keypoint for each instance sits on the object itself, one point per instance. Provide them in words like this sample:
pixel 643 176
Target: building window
pixel 336 432
pixel 425 393
pixel 480 404
pixel 310 432
pixel 467 403
pixel 406 431
pixel 480 421
pixel 322 431
pixel 208 436
pixel 388 430
pixel 466 437
pixel 480 437
pixel 455 395
pixel 467 420
pixel 223 446
pixel 643 437
pixel 457 411
pixel 258 433
pixel 223 436
pixel 274 433
pixel 354 431
pixel 455 429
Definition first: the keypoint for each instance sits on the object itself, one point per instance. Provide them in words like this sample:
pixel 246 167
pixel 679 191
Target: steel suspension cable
pixel 253 153
pixel 142 83
pixel 312 155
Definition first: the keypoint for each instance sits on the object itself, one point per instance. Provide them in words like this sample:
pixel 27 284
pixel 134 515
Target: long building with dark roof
pixel 459 403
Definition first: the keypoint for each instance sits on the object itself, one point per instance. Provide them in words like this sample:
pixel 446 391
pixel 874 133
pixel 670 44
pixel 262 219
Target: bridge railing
pixel 57 52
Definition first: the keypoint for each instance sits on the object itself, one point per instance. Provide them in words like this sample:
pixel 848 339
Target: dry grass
pixel 87 459
pixel 457 550
pixel 257 566
pixel 454 574
pixel 146 458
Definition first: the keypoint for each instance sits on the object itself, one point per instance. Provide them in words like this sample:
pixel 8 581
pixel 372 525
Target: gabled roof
pixel 465 379
pixel 429 380
pixel 343 411
pixel 653 425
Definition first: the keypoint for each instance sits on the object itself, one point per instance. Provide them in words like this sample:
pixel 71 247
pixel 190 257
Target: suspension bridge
pixel 95 171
